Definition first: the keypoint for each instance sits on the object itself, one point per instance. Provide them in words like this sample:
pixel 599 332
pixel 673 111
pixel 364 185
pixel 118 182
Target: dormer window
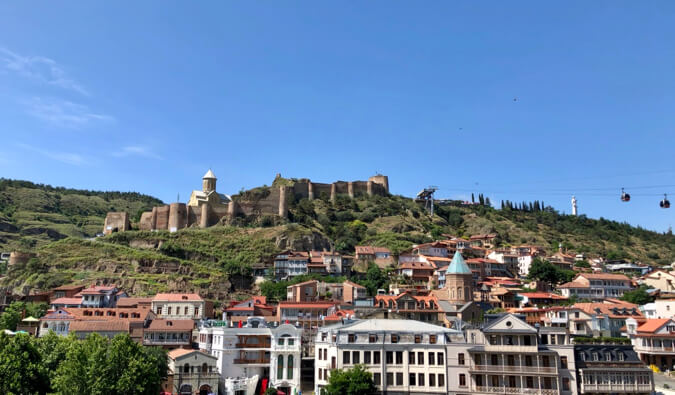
pixel 608 356
pixel 418 338
pixel 432 339
pixel 351 338
pixel 394 338
pixel 595 356
pixel 620 355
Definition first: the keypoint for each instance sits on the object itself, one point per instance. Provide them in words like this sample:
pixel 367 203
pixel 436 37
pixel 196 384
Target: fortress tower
pixel 209 182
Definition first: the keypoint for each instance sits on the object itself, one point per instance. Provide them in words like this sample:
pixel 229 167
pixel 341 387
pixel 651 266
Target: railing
pixel 514 368
pixel 166 341
pixel 616 387
pixel 251 361
pixel 654 348
pixel 286 347
pixel 257 345
pixel 516 390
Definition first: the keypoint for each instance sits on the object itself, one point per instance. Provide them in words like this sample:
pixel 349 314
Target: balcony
pixel 514 369
pixel 253 345
pixel 608 388
pixel 559 320
pixel 516 390
pixel 251 361
pixel 166 342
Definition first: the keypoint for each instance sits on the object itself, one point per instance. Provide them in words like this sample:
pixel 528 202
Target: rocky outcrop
pixel 306 242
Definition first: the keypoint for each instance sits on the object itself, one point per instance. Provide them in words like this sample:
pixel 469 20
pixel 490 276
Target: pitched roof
pixel 170 325
pixel 652 325
pixel 614 310
pixel 306 305
pixel 166 297
pixel 458 266
pixel 99 326
pixel 604 276
pixel 541 295
pixel 69 301
pixel 405 326
pixel 179 352
pixel 209 174
pixel 133 302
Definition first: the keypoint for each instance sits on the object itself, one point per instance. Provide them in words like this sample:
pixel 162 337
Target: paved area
pixel 660 379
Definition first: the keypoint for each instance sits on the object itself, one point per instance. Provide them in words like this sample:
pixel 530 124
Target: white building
pixel 596 286
pixel 190 372
pixel 255 350
pixel 660 308
pixel 404 356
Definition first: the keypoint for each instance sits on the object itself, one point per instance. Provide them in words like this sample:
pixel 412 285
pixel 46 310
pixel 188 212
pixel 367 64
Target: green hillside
pixel 216 260
pixel 34 214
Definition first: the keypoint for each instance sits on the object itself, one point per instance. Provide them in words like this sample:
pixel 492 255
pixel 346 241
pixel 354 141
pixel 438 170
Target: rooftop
pixel 177 298
pixel 402 326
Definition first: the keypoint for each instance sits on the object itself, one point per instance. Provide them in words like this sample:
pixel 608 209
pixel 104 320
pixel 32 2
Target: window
pixel 494 341
pixel 185 310
pixel 620 355
pixel 529 382
pixel 460 358
pixel 563 362
pixel 394 338
pixel 366 357
pixel 399 357
pixel 545 361
pixel 345 357
pixel 389 357
pixel 528 360
pixel 508 340
pixel 399 378
pixel 566 384
pixel 376 357
pixel 608 356
pixel 420 358
pixel 510 360
pixel 439 358
pixel 411 379
pixel 494 359
pixel 420 379
pixel 418 338
pixel 280 367
pixel 280 341
pixel 411 357
pixel 595 356
pixel 169 311
pixel 333 362
pixel 432 380
pixel 527 340
pixel 432 339
pixel 372 338
pixel 356 357
pixel 320 374
pixel 441 380
pixel 431 358
pixel 377 378
pixel 390 378
pixel 351 338
pixel 289 368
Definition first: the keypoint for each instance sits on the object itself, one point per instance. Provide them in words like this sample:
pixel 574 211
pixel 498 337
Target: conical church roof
pixel 458 266
pixel 209 174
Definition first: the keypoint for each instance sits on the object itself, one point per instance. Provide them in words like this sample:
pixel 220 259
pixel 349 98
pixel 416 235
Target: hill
pixel 217 261
pixel 32 215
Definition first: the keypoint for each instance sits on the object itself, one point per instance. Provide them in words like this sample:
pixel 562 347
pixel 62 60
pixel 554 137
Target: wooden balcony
pixel 253 345
pixel 514 369
pixel 251 361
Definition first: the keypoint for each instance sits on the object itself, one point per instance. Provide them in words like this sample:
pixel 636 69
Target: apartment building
pixel 290 264
pixel 241 311
pixel 255 352
pixel 106 321
pixel 381 256
pixel 660 308
pixel 313 290
pixel 611 369
pixel 608 318
pixel 596 286
pixel 404 356
pixel 179 306
pixel 169 334
pixel 654 341
pixel 410 306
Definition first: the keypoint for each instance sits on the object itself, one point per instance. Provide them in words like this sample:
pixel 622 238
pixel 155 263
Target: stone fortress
pixel 208 207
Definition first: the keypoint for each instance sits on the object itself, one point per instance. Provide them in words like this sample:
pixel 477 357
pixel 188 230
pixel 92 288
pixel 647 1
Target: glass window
pixel 432 380
pixel 351 338
pixel 366 357
pixel 345 357
pixel 399 357
pixel 399 378
pixel 420 379
pixel 565 384
pixel 411 379
pixel 389 357
pixel 418 338
pixel 280 367
pixel 439 358
pixel 563 362
pixel 376 357
pixel 394 338
pixel 390 378
pixel 441 380
pixel 462 380
pixel 411 357
pixel 460 358
pixel 432 339
pixel 356 357
pixel 372 338
pixel 289 368
pixel 377 378
pixel 420 358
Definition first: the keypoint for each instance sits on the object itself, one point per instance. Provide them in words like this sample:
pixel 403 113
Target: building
pixel 660 308
pixel 417 273
pixel 611 369
pixel 290 264
pixel 540 299
pixel 409 306
pixel 654 341
pixel 101 296
pixel 313 290
pixel 179 306
pixel 607 319
pixel 381 256
pixel 191 372
pixel 168 333
pixel 255 307
pixel 660 279
pixel 107 328
pixel 255 352
pixel 404 356
pixel 485 240
pixel 89 320
pixel 596 286
pixel 508 258
pixel 628 268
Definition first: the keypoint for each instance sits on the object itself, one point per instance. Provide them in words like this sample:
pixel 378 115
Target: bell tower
pixel 209 182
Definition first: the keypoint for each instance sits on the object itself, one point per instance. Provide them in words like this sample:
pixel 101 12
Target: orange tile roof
pixel 70 301
pixel 541 295
pixel 179 352
pixel 652 325
pixel 607 309
pixel 306 305
pixel 604 276
pixel 162 325
pixel 132 302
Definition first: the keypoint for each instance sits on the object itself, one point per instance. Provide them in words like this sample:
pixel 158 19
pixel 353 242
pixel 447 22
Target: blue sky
pixel 146 96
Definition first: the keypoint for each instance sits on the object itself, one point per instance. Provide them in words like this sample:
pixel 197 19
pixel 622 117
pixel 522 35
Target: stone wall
pixel 116 222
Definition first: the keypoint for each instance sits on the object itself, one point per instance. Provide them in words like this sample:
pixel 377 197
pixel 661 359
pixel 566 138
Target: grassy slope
pixel 201 255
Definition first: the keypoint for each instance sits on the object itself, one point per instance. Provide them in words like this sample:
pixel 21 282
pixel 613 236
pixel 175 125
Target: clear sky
pixel 146 96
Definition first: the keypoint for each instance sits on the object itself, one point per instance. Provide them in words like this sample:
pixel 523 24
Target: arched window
pixel 186 368
pixel 459 293
pixel 280 367
pixel 381 304
pixel 452 293
pixel 289 368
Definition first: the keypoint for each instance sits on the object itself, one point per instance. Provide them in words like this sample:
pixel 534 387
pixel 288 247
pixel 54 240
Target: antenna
pixel 427 196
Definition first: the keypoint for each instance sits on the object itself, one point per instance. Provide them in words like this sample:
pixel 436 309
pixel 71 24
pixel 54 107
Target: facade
pixel 313 290
pixel 660 308
pixel 255 352
pixel 179 306
pixel 100 296
pixel 290 264
pixel 608 318
pixel 131 320
pixel 241 311
pixel 191 372
pixel 404 356
pixel 596 286
pixel 408 306
pixel 660 279
pixel 169 334
pixel 611 369
pixel 654 341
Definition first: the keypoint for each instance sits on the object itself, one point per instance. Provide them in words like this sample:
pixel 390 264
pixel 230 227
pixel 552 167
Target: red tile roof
pixel 652 325
pixel 133 302
pixel 99 326
pixel 603 276
pixel 67 301
pixel 163 325
pixel 541 295
pixel 179 352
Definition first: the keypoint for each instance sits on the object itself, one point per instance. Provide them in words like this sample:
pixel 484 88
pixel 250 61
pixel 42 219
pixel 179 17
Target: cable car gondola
pixel 665 203
pixel 625 197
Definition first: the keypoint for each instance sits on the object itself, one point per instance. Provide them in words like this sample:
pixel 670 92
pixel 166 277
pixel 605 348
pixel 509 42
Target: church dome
pixel 209 174
pixel 458 266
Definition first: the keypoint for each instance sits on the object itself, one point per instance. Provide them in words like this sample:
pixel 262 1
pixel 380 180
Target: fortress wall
pixel 341 187
pixel 360 188
pixel 194 215
pixel 320 188
pixel 301 190
pixel 381 180
pixel 146 221
pixel 162 217
pixel 116 221
pixel 177 216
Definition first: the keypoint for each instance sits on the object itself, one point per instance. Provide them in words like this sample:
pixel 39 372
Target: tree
pixel 355 381
pixel 542 270
pixel 376 278
pixel 13 314
pixel 638 296
pixel 496 310
pixel 20 369
pixel 583 264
